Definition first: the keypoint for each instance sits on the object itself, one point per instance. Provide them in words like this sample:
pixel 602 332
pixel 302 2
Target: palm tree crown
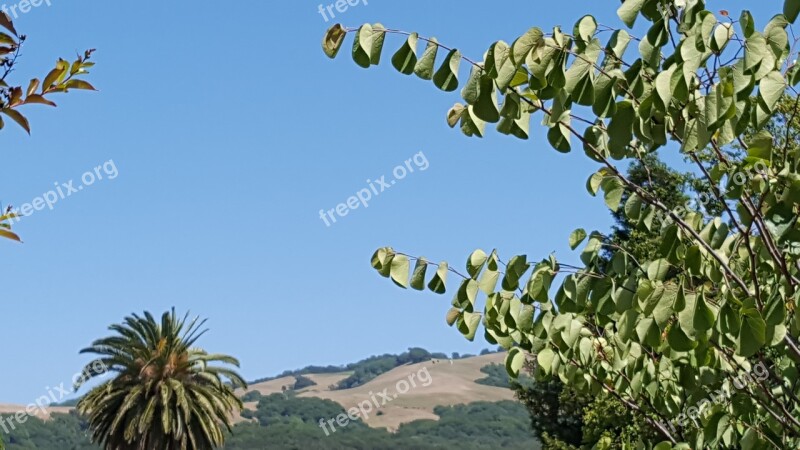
pixel 166 394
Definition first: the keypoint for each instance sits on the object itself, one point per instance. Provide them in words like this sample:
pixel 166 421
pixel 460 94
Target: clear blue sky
pixel 230 130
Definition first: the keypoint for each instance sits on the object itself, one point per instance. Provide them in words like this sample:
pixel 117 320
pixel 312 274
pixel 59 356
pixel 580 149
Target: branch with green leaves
pixel 721 294
pixel 61 79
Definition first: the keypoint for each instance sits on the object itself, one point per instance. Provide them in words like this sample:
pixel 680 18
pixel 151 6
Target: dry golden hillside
pixel 451 383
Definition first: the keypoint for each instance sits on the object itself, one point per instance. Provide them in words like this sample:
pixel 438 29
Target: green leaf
pixel 476 262
pixel 592 248
pixel 425 65
pixel 559 138
pixel 471 124
pixel 747 23
pixel 382 260
pixel 471 320
pixel 664 88
pixel 678 340
pixel 362 46
pixel 658 270
pixel 472 89
pixel 658 34
pixel 545 359
pixel 515 268
pixel 620 130
pixel 771 89
pixel 760 146
pixel 332 42
pixel 486 107
pixel 378 36
pixel 704 317
pixel 585 28
pixel 400 271
pixel 614 190
pixel 627 324
pixel 752 334
pixel 605 104
pixel 755 51
pixel 418 277
pixel 446 78
pixel 720 105
pixel 488 281
pixel 515 360
pixel 629 11
pixel 633 207
pixel 594 183
pixel 576 238
pixel 791 9
pixel 722 35
pixel 437 283
pixel 405 60
pixel 467 293
pixel 525 44
pixel 499 65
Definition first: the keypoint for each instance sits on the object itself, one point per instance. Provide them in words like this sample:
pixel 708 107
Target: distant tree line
pixel 287 422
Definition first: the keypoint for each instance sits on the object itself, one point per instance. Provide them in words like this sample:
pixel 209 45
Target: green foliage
pixel 62 78
pixel 166 393
pixel 366 369
pixel 303 382
pixel 662 182
pixel 556 411
pixel 497 376
pixel 370 368
pixel 293 422
pixel 289 422
pixel 718 296
pixel 62 431
pixel 252 396
pixel 604 421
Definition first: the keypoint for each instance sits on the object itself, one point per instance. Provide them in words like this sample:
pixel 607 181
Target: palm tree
pixel 166 395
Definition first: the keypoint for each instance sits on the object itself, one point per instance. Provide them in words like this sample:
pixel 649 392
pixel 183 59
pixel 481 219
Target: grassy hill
pixel 453 382
pixel 437 403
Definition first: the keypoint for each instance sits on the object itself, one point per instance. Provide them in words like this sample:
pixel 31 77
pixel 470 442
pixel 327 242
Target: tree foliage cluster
pixel 497 376
pixel 366 369
pixel 290 422
pixel 662 333
pixel 61 79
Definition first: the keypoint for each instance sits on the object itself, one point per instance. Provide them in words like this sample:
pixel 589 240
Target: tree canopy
pixel 700 338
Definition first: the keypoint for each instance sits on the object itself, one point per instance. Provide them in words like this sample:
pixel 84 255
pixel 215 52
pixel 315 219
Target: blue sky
pixel 230 130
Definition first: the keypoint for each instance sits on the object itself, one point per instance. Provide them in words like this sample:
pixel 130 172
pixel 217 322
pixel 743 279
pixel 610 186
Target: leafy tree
pixel 252 396
pixel 700 341
pixel 496 376
pixel 166 393
pixel 559 419
pixel 62 78
pixel 370 368
pixel 302 382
